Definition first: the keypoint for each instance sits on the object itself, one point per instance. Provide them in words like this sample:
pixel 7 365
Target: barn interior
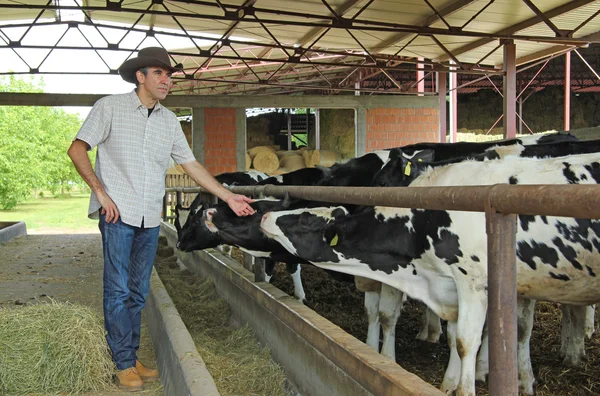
pixel 340 78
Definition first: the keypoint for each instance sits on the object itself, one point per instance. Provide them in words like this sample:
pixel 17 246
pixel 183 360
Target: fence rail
pixel 501 203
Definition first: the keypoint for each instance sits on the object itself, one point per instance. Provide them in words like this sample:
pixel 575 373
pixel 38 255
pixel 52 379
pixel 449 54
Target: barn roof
pixel 302 46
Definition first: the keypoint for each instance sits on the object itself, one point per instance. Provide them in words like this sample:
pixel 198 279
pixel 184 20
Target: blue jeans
pixel 129 254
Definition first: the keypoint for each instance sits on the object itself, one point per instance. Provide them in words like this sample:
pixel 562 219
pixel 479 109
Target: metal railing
pixel 501 203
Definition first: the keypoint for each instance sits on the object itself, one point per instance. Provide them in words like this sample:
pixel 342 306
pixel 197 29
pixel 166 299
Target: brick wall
pixel 220 140
pixel 395 127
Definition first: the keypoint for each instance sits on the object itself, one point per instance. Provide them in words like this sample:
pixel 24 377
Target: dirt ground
pixel 342 304
pixel 64 267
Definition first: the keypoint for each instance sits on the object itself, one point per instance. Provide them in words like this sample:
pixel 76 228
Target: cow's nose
pixel 264 218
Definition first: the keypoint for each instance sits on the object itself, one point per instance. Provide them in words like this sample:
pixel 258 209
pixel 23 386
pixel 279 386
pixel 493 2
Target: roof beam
pixel 550 51
pixel 430 20
pixel 560 10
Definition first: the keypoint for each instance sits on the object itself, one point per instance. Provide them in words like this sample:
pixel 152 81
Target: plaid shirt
pixel 133 155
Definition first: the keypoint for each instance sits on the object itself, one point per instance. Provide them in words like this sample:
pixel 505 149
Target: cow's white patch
pixel 256 253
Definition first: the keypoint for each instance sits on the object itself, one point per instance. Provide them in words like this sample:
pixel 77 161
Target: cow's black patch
pixel 527 252
pixel 568 252
pixel 461 269
pixel 590 271
pixel 569 174
pixel 580 233
pixel 447 247
pixel 525 220
pixel 583 176
pixel 513 180
pixel 475 258
pixel 594 169
pixel 544 219
pixel 559 276
pixel 491 155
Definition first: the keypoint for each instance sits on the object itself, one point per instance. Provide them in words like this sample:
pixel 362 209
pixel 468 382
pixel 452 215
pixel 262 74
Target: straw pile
pixel 235 360
pixel 320 157
pixel 264 159
pixel 53 348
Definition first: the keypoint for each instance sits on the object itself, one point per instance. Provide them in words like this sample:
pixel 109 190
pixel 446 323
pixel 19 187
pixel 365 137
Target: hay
pixel 265 161
pixel 248 162
pixel 292 163
pixel 235 360
pixel 260 149
pixel 320 157
pixel 52 348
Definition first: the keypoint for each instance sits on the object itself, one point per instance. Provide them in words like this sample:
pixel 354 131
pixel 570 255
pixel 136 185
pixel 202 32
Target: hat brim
pixel 129 67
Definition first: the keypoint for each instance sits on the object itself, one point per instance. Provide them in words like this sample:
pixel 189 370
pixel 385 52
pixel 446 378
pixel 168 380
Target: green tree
pixel 33 145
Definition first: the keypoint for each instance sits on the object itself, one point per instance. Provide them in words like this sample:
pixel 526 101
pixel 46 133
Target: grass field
pixel 53 213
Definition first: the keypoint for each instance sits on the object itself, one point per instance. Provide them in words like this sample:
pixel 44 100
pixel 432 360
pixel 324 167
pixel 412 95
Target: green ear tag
pixel 334 241
pixel 407 169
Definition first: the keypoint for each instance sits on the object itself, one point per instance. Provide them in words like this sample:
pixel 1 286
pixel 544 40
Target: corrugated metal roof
pixel 319 42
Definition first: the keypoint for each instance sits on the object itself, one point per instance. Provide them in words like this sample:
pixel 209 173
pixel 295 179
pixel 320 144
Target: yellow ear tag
pixel 407 169
pixel 420 160
pixel 334 241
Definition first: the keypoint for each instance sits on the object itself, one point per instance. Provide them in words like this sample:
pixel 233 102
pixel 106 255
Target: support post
pixel 567 113
pixel 502 302
pixel 441 90
pixel 420 78
pixel 509 83
pixel 289 129
pixel 520 115
pixel 198 137
pixel 317 129
pixel 453 107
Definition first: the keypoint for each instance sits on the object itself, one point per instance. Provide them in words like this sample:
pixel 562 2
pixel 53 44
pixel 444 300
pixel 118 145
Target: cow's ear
pixel 287 200
pixel 326 171
pixel 426 155
pixel 338 213
pixel 395 154
pixel 330 235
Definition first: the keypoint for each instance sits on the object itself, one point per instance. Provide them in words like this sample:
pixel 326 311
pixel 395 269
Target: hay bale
pixel 248 162
pixel 265 161
pixel 287 153
pixel 321 157
pixel 260 149
pixel 53 348
pixel 292 163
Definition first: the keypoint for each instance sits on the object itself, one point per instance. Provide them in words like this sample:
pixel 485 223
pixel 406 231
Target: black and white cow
pixel 439 257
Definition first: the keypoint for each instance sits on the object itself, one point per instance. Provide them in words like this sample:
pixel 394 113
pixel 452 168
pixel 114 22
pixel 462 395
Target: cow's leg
pixel 590 322
pixel 294 270
pixel 573 334
pixel 472 300
pixel 452 374
pixel 483 357
pixel 525 312
pixel 269 268
pixel 431 327
pixel 390 305
pixel 372 310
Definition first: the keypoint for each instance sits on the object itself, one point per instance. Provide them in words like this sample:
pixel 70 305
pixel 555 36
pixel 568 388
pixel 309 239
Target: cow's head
pixel 243 231
pixel 401 169
pixel 193 235
pixel 307 233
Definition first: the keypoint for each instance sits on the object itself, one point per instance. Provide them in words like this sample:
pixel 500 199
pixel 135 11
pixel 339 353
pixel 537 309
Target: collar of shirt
pixel 136 102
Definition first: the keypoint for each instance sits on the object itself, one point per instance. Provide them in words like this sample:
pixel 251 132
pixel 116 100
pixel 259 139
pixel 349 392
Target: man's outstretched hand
pixel 240 205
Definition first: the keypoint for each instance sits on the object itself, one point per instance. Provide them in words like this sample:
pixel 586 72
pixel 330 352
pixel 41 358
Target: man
pixel 135 136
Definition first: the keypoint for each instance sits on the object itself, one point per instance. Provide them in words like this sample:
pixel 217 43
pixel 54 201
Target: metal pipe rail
pixel 501 204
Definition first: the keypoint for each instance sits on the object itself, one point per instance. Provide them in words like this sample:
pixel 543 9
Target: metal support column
pixel 453 107
pixel 289 129
pixel 317 129
pixel 567 114
pixel 420 78
pixel 502 302
pixel 510 89
pixel 441 89
pixel 520 100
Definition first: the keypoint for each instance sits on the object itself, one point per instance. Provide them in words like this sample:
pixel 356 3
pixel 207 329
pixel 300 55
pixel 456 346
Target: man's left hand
pixel 239 204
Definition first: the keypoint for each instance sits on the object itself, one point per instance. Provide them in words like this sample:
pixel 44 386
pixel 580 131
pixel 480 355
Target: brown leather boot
pixel 129 380
pixel 148 375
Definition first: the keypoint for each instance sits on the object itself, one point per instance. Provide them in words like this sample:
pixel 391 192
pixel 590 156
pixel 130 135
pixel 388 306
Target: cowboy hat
pixel 150 56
